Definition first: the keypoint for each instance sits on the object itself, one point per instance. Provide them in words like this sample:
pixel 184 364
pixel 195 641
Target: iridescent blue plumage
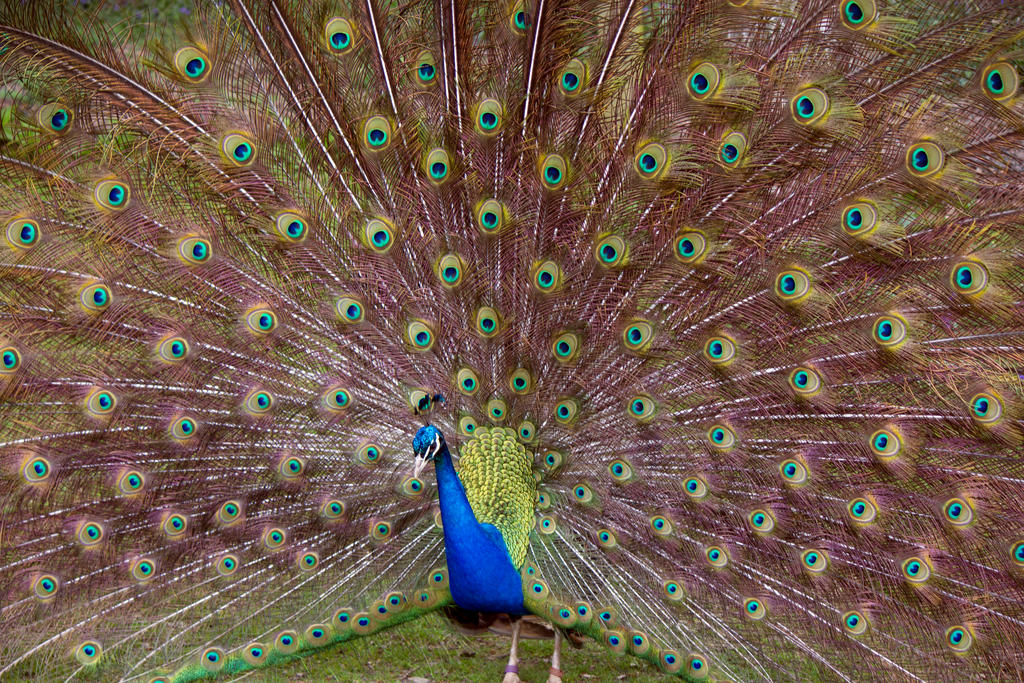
pixel 481 575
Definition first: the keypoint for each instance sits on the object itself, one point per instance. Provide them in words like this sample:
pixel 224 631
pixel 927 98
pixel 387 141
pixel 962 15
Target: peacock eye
pixel 959 638
pixel 793 286
pixel 696 488
pixel 716 556
pixel 890 331
pixel 761 521
pixel 450 270
pixel 376 133
pixel 546 277
pixel 720 351
pixel 925 159
pixel 520 381
pixel 54 118
pixel 467 425
pixel 661 525
pixel 794 472
pixel 173 349
pixel 1000 81
pixel 691 246
pixel 10 360
pixel 611 251
pixel 307 561
pixel 489 117
pixel 88 653
pixel 339 35
pixel 566 347
pixel 490 216
pixel 915 570
pixel 721 437
pixel 552 460
pixel 349 309
pixel 239 149
pixel 527 431
pixel 805 382
pixel 426 68
pixel 731 149
pixel 621 471
pixel 286 642
pixel 420 335
pixel 858 14
pixel 497 409
pixel 488 323
pixel 862 510
pixel 606 538
pixel 886 443
pixel 703 81
pixel 467 381
pixel 191 64
pixel 142 569
pixel 194 250
pixel 22 233
pixel 986 408
pixel 438 165
pixel 260 320
pixel 583 493
pixel 652 161
pixel 643 409
pixel 553 169
pixel 860 219
pixel 519 20
pixel 754 609
pixel 637 337
pixel 36 470
pixel 100 403
pixel 810 106
pixel 855 623
pixel 969 278
pixel 369 454
pixel 958 512
pixel 258 402
pixel 572 78
pixel 814 560
pixel 183 428
pixel 379 235
pixel 111 195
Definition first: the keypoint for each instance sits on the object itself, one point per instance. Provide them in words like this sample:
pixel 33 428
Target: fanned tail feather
pixel 743 276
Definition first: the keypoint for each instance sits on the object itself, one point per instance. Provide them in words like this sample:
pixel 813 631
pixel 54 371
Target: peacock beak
pixel 420 464
pixel 429 453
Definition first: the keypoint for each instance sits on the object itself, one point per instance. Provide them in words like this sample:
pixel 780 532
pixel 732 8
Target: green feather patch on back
pixel 496 471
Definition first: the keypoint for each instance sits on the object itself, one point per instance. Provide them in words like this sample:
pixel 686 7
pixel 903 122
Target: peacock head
pixel 427 443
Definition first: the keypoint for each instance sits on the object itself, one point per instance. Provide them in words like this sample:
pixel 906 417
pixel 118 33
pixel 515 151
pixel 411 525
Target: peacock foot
pixel 512 674
pixel 555 676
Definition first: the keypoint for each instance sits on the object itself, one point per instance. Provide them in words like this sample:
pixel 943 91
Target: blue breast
pixel 481 575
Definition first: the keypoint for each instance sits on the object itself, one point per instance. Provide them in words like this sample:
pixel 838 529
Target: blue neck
pixel 480 572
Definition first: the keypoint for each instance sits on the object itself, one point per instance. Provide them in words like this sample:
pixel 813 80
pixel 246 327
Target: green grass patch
pixel 429 648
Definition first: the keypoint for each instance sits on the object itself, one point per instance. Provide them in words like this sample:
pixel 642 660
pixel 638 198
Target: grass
pixel 429 649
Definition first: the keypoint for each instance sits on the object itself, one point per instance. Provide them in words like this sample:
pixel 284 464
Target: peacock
pixel 691 327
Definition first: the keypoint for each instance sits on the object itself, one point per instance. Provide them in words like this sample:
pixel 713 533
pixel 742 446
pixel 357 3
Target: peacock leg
pixel 555 676
pixel 512 669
